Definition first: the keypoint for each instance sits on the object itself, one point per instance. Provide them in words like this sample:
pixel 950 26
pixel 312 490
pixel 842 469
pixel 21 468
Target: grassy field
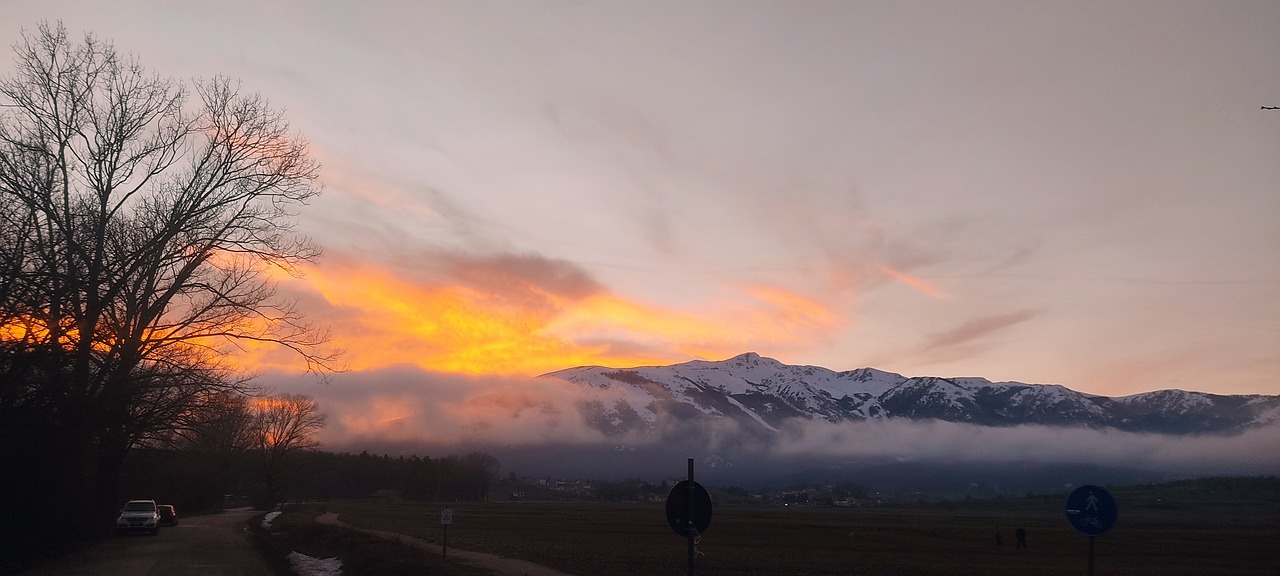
pixel 1231 530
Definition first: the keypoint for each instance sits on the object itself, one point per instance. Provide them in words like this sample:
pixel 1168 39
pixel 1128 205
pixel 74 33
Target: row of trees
pixel 244 445
pixel 324 476
pixel 140 223
pixel 199 480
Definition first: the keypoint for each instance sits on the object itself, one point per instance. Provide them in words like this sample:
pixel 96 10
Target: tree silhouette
pixel 281 425
pixel 140 224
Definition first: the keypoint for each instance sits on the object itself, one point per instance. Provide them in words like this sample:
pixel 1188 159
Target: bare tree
pixel 479 471
pixel 140 222
pixel 283 424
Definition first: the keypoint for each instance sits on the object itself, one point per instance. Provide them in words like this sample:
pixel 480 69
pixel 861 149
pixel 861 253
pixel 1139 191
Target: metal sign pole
pixel 446 518
pixel 1091 510
pixel 688 513
pixel 1091 556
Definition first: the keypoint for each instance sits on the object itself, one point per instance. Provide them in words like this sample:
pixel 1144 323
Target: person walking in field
pixel 1021 536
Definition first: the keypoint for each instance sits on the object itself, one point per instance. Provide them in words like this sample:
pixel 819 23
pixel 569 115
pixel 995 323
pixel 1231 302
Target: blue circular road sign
pixel 689 506
pixel 1091 509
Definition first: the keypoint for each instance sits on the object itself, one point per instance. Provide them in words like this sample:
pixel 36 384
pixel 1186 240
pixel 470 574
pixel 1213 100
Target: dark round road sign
pixel 688 501
pixel 1091 509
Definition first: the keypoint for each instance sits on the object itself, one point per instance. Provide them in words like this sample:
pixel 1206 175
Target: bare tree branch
pixel 140 226
pixel 283 424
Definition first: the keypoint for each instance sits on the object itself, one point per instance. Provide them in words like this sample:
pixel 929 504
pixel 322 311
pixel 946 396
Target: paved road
pixel 212 545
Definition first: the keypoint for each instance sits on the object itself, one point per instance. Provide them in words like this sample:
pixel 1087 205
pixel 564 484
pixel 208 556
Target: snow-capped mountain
pixel 761 393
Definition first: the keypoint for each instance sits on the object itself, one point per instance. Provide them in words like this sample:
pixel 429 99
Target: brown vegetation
pixel 1198 528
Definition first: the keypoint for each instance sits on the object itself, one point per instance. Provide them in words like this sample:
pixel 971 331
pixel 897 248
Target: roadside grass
pixel 1230 532
pixel 295 530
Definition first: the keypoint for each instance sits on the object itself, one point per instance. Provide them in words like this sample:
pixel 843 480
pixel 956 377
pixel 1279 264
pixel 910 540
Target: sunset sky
pixel 1075 193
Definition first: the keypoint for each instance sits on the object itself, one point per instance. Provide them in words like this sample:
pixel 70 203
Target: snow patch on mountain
pixel 1176 401
pixel 750 413
pixel 765 392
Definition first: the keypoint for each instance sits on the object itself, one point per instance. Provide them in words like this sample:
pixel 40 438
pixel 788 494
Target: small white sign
pixel 446 516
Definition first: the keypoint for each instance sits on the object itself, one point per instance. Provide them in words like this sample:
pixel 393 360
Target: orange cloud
pixel 526 316
pixel 919 284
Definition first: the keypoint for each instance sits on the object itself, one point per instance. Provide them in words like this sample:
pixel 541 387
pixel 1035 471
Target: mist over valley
pixel 752 421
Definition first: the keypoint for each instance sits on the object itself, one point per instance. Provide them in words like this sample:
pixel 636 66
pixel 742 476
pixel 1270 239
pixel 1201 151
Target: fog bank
pixel 539 423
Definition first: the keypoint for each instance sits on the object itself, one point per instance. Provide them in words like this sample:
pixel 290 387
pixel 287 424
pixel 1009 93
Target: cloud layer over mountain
pixel 409 410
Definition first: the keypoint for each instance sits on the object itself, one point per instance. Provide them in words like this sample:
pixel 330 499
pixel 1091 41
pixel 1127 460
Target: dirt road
pixel 212 545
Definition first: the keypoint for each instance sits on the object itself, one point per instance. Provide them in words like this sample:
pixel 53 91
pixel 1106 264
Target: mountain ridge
pixel 762 393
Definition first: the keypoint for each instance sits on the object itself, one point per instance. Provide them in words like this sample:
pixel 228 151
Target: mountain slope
pixel 761 394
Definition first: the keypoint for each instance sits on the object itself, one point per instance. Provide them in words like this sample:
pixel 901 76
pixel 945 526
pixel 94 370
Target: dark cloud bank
pixel 537 427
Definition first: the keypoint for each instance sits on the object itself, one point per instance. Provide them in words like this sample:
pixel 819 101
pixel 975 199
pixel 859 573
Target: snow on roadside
pixel 307 566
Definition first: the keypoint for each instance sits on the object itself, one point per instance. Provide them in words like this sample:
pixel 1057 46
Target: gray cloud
pixel 1251 452
pixel 500 273
pixel 974 329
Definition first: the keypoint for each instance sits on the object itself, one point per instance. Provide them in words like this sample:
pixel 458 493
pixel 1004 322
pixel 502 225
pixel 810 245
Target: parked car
pixel 139 515
pixel 168 514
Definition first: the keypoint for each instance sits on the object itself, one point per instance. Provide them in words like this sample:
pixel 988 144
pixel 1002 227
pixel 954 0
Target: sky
pixel 1075 193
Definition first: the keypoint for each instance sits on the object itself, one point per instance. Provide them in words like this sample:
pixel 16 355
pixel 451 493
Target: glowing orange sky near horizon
pixel 379 319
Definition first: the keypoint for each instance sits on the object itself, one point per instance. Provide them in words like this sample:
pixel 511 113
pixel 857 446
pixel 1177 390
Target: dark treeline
pixel 326 475
pixel 196 481
pixel 628 490
pixel 187 479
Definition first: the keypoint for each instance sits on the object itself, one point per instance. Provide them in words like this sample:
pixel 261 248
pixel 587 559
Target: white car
pixel 139 515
